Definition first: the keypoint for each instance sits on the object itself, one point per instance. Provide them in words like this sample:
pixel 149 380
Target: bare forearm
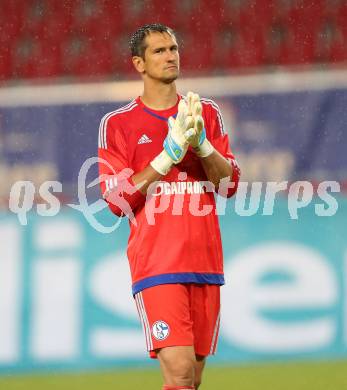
pixel 216 167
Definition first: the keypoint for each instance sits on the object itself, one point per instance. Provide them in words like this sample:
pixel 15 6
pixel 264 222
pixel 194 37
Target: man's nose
pixel 171 56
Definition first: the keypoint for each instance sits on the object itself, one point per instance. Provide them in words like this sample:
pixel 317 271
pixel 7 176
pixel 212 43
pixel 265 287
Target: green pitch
pixel 289 376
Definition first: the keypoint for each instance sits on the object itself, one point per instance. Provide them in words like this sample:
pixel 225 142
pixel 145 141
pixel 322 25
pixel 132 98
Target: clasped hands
pixel 187 129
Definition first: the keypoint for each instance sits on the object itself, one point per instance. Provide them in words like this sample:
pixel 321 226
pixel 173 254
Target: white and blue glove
pixel 197 139
pixel 176 142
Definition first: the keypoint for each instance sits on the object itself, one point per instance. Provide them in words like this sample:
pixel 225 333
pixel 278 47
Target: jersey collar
pixel 160 114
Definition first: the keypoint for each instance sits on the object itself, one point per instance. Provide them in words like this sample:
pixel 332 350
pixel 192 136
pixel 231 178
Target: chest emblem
pixel 144 139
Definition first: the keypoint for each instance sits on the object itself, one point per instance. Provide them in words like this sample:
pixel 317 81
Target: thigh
pixel 164 311
pixel 178 365
pixel 205 312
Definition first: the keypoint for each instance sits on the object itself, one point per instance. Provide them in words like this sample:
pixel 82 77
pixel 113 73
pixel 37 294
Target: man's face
pixel 161 60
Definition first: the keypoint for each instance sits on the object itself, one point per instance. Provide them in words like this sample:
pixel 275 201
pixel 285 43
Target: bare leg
pixel 199 367
pixel 177 365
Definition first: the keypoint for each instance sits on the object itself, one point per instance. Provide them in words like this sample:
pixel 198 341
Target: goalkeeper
pixel 176 263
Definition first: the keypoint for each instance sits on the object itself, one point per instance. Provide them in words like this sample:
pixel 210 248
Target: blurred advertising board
pixel 65 295
pixel 66 303
pixel 275 136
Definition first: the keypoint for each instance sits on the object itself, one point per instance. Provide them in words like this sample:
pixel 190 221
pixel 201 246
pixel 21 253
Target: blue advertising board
pixel 66 303
pixel 65 290
pixel 276 136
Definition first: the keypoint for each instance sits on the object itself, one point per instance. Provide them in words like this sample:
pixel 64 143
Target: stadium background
pixel 277 69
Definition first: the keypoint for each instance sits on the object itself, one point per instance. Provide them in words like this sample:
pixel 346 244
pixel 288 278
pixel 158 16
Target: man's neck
pixel 159 96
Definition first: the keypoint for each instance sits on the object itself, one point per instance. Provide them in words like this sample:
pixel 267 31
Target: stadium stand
pixel 89 38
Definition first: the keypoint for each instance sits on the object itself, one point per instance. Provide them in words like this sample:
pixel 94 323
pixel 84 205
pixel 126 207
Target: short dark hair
pixel 137 41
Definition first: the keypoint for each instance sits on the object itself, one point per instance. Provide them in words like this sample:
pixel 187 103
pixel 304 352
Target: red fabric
pixel 195 243
pixel 180 314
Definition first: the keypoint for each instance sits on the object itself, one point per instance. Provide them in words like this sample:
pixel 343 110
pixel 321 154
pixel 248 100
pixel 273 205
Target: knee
pixel 180 372
pixel 183 372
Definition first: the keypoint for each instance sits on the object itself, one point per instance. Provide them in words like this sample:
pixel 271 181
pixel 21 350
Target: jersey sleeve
pixel 115 175
pixel 220 140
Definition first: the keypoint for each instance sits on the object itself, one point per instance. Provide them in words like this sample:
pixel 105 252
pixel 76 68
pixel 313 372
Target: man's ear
pixel 139 64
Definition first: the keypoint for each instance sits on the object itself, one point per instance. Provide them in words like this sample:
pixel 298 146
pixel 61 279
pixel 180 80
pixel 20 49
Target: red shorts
pixel 180 314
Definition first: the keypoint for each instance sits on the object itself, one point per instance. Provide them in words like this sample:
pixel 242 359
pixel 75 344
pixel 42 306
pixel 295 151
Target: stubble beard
pixel 169 80
pixel 164 79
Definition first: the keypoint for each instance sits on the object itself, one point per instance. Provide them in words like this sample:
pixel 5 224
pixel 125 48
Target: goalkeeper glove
pixel 175 143
pixel 197 138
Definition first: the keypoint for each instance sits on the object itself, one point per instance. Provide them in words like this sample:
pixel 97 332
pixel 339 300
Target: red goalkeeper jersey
pixel 174 233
